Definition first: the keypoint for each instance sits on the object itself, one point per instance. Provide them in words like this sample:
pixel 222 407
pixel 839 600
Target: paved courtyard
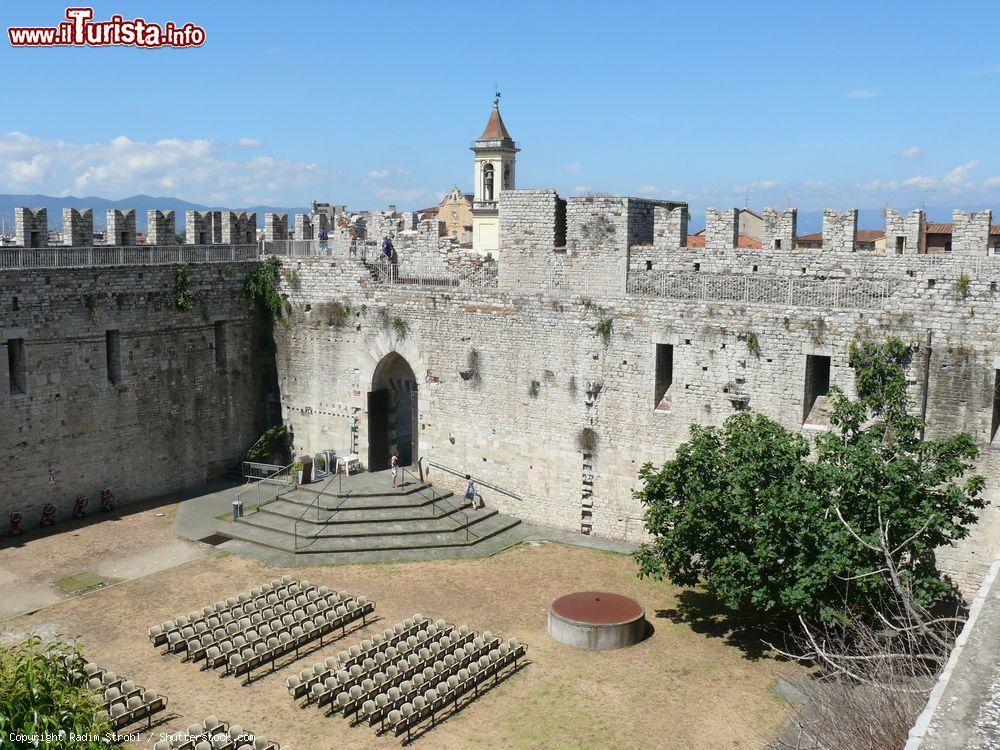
pixel 692 684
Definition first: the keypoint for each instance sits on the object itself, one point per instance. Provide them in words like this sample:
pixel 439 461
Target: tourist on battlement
pixel 394 466
pixel 322 236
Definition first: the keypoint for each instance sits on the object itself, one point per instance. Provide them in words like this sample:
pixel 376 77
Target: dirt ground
pixel 694 683
pixel 120 546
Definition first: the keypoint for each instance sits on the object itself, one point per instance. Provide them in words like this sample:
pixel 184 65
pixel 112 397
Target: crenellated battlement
pixel 120 227
pixel 78 227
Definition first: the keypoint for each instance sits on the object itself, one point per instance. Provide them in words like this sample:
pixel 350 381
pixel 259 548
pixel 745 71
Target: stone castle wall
pixel 511 378
pixel 117 388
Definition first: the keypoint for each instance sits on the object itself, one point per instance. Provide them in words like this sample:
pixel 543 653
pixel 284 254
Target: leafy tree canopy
pixel 43 693
pixel 772 527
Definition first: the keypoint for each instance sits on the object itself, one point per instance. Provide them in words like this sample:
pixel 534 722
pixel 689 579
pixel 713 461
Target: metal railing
pixel 267 489
pixel 436 499
pixel 478 482
pixel 298 247
pixel 12 258
pixel 255 470
pixel 315 506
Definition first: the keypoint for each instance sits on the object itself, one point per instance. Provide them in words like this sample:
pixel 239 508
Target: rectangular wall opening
pixel 17 367
pixel 817 386
pixel 113 354
pixel 220 344
pixel 996 406
pixel 900 245
pixel 560 223
pixel 664 376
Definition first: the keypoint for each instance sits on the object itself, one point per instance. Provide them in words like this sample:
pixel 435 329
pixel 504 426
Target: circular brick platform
pixel 596 620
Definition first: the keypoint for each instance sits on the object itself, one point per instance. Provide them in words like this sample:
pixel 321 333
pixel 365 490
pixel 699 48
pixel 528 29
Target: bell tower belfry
pixel 495 155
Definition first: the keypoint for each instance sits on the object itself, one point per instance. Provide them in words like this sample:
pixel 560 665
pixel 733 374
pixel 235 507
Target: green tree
pixel 262 287
pixel 767 527
pixel 43 692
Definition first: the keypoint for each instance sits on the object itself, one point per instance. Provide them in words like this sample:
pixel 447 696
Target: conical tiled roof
pixel 495 129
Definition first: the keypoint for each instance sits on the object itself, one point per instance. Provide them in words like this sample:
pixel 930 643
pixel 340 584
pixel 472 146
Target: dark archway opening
pixel 392 413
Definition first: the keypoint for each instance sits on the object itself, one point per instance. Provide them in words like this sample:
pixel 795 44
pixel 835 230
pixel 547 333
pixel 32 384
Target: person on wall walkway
pixel 394 466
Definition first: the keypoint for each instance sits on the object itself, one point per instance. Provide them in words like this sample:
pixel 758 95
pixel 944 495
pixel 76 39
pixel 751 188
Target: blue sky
pixel 855 104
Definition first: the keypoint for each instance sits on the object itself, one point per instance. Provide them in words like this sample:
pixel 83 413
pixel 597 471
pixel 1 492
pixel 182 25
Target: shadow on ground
pixel 704 614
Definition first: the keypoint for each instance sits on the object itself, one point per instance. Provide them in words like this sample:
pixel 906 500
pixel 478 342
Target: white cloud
pixel 992 182
pixel 382 174
pixel 761 185
pixel 647 190
pixel 913 152
pixel 861 94
pixel 249 143
pixel 960 174
pixel 200 170
pixel 573 167
pixel 582 189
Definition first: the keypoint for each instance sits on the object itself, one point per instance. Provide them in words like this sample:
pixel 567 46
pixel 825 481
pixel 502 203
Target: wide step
pixel 367 527
pixel 487 528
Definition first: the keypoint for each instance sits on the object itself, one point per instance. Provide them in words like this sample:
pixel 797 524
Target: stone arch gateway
pixel 392 413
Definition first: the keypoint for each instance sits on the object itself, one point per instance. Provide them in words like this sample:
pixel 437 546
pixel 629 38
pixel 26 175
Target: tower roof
pixel 495 130
pixel 495 134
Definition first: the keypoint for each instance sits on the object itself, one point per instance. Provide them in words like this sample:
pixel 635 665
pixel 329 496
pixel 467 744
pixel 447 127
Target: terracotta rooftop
pixel 941 227
pixel 698 240
pixel 864 235
pixel 495 129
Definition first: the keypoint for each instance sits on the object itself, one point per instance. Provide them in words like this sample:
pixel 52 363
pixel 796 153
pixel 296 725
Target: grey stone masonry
pixel 721 228
pixel 275 227
pixel 670 227
pixel 840 231
pixel 239 227
pixel 970 233
pixel 780 229
pixel 31 227
pixel 199 227
pixel 78 227
pixel 903 236
pixel 161 227
pixel 122 390
pixel 120 228
pixel 320 222
pixel 303 227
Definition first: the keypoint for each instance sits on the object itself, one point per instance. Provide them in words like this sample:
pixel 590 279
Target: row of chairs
pixel 264 651
pixel 124 701
pixel 263 625
pixel 386 700
pixel 450 691
pixel 173 633
pixel 357 655
pixel 387 668
pixel 212 734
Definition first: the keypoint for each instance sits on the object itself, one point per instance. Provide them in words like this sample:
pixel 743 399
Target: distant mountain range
pixel 141 204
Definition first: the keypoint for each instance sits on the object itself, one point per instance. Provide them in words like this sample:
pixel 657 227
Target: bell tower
pixel 495 155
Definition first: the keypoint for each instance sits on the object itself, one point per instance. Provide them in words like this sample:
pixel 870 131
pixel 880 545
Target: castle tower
pixel 495 154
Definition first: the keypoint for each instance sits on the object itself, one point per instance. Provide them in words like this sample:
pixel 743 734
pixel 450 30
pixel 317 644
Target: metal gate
pixel 324 464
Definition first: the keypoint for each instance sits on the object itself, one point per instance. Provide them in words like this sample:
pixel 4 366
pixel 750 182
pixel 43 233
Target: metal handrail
pixel 480 482
pixel 435 498
pixel 258 470
pixel 280 478
pixel 302 516
pixel 68 256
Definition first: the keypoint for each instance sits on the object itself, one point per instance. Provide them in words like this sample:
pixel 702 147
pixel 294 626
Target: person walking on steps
pixel 470 490
pixel 394 466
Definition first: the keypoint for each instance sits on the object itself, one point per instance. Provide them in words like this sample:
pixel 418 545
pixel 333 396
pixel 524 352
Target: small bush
pixel 962 285
pixel 753 343
pixel 586 440
pixel 603 329
pixel 182 289
pixel 534 388
pixel 400 327
pixel 43 692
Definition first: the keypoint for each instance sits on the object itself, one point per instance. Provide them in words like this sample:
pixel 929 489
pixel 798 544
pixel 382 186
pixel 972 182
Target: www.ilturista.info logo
pixel 80 30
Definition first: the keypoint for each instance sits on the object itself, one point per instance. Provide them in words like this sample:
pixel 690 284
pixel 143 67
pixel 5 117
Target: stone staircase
pixel 345 516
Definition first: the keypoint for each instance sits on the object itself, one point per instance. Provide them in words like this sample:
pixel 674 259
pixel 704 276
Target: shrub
pixel 603 329
pixel 43 691
pixel 400 327
pixel 182 289
pixel 262 287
